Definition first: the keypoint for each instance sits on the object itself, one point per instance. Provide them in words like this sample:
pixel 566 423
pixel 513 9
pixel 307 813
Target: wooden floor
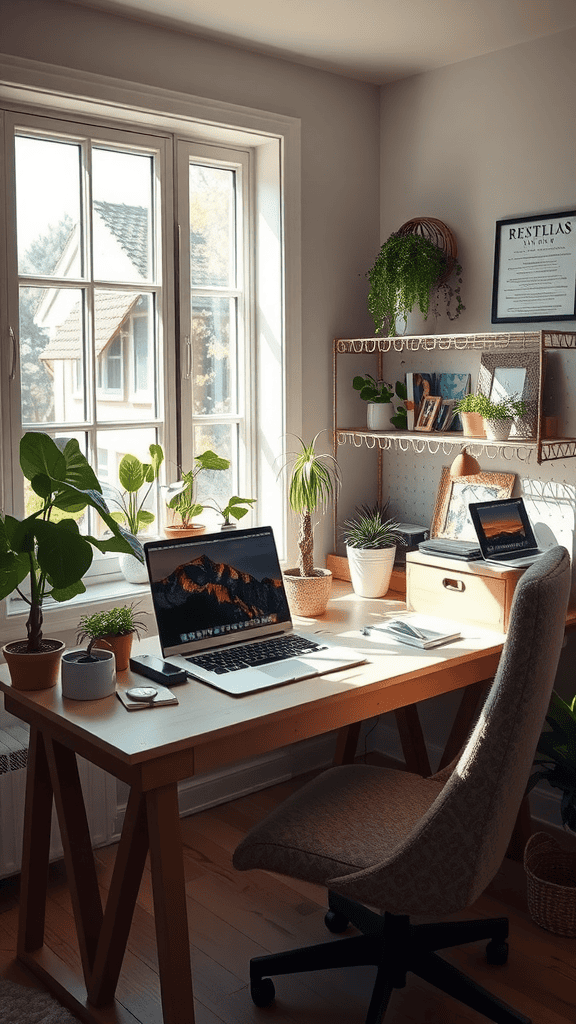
pixel 234 916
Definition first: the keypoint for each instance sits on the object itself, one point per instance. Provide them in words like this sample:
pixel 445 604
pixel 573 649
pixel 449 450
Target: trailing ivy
pixel 407 270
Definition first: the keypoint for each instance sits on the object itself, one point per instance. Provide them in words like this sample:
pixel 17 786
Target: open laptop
pixel 504 533
pixel 223 615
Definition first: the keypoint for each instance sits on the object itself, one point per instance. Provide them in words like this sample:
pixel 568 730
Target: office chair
pixel 422 846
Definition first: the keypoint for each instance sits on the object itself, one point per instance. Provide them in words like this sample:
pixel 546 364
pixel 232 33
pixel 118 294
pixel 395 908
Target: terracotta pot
pixel 472 424
pixel 184 531
pixel 121 646
pixel 33 670
pixel 308 595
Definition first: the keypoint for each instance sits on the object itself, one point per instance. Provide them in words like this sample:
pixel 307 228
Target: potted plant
pixel 233 510
pixel 551 870
pixel 181 496
pixel 379 395
pixel 137 479
pixel 314 478
pixel 408 272
pixel 496 416
pixel 371 539
pixel 49 550
pixel 112 630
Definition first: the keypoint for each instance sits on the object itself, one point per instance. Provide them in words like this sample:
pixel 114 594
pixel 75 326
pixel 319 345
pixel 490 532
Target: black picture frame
pixel 535 269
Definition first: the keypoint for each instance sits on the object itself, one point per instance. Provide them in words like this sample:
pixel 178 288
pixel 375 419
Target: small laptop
pixel 504 533
pixel 223 615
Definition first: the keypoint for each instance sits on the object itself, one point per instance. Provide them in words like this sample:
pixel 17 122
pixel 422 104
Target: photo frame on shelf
pixel 445 415
pixel 535 268
pixel 510 374
pixel 451 516
pixel 428 412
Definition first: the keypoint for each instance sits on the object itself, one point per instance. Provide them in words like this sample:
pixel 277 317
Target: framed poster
pixel 535 269
pixel 451 516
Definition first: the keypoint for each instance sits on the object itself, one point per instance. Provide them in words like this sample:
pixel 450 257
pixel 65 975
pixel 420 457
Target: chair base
pixel 393 945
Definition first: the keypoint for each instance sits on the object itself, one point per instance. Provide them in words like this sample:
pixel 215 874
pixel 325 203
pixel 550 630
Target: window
pixel 90 281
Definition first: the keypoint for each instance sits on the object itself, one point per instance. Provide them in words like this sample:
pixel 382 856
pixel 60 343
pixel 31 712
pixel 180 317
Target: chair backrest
pixel 458 845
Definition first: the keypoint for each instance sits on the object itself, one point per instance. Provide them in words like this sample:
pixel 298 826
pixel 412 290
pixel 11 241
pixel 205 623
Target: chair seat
pixel 298 838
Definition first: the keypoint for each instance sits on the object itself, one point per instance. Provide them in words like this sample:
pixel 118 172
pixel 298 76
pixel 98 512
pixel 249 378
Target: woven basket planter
pixel 551 875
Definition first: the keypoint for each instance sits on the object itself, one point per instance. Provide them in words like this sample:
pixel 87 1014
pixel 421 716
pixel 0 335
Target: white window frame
pixel 33 87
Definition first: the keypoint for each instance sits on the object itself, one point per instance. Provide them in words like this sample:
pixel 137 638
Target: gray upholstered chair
pixel 415 846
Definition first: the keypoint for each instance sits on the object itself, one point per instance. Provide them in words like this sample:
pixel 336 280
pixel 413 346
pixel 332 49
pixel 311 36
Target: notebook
pixel 220 603
pixel 504 532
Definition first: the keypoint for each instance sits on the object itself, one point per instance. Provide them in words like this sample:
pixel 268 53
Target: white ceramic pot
pixel 370 570
pixel 378 416
pixel 131 568
pixel 88 680
pixel 498 430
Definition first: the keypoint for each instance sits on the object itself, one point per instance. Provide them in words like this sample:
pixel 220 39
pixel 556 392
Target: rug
pixel 22 1005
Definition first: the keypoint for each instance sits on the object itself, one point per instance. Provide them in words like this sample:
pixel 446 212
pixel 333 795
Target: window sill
pixel 63 618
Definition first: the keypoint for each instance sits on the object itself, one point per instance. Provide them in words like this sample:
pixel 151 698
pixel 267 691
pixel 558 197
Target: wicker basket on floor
pixel 551 874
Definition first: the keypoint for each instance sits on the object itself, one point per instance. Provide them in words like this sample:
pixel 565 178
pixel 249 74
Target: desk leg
pixel 346 744
pixel 35 847
pixel 78 855
pixel 412 740
pixel 167 870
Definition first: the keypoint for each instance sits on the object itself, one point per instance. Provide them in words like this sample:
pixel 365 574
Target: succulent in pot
pixel 47 548
pixel 371 539
pixel 314 479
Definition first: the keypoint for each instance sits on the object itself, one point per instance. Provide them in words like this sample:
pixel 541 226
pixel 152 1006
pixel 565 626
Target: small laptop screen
pixel 216 588
pixel 503 527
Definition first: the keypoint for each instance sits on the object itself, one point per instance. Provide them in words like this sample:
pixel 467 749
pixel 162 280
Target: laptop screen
pixel 503 527
pixel 217 588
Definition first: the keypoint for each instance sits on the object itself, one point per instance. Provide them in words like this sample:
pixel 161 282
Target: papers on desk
pixel 417 631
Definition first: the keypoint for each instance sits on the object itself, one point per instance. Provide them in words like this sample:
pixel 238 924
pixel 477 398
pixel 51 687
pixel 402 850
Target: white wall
pixel 340 154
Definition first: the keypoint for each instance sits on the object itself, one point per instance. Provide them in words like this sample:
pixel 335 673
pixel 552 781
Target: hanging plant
pixel 407 272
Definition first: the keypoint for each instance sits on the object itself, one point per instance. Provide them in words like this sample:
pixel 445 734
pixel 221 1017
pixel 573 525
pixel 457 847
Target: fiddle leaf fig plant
pixel 46 547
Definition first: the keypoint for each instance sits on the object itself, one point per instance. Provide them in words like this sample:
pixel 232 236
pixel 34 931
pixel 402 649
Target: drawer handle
pixel 454 584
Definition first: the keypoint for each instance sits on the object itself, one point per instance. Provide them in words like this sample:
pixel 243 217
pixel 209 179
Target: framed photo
pixel 513 373
pixel 535 269
pixel 445 415
pixel 428 412
pixel 451 516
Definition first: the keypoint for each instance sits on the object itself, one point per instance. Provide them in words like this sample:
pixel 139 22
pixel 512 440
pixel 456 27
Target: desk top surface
pixel 205 714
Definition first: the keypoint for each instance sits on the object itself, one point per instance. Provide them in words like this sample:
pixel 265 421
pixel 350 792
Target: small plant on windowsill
pixel 181 496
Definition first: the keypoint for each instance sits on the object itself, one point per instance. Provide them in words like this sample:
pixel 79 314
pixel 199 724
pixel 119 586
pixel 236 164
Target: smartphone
pixel 159 671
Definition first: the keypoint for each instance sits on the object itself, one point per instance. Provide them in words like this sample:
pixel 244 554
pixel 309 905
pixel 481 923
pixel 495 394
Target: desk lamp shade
pixel 464 465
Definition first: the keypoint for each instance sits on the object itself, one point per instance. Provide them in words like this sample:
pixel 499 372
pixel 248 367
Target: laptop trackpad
pixel 285 671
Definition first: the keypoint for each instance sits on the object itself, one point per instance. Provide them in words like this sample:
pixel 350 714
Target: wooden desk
pixel 151 751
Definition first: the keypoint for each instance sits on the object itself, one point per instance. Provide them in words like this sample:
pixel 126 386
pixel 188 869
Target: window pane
pixel 51 347
pixel 217 485
pixel 212 227
pixel 215 354
pixel 122 209
pixel 48 207
pixel 124 337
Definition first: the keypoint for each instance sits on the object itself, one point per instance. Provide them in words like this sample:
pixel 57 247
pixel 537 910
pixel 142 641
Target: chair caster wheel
pixel 262 992
pixel 497 952
pixel 335 922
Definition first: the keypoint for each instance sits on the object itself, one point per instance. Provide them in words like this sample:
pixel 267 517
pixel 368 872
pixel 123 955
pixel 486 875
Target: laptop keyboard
pixel 256 654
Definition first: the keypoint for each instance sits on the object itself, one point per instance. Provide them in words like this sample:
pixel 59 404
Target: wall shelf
pixel 535 449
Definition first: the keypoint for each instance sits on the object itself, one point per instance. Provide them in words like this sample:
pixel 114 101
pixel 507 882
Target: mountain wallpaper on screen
pixel 202 594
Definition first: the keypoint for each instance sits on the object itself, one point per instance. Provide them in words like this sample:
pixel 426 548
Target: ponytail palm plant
pixel 314 480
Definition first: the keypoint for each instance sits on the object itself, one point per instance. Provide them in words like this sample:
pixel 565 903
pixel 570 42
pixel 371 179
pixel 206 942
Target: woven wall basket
pixel 551 875
pixel 436 232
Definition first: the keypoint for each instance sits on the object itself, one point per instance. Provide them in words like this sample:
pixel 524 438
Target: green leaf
pixel 62 552
pixel 152 469
pixel 131 473
pixel 144 518
pixel 40 455
pixel 13 570
pixel 209 460
pixel 67 593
